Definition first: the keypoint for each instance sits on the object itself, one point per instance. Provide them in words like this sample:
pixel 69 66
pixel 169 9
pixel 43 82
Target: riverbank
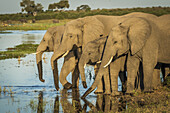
pixel 29 25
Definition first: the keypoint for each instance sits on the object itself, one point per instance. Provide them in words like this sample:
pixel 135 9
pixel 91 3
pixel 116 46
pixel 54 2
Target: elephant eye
pixel 71 36
pixel 114 42
pixel 43 40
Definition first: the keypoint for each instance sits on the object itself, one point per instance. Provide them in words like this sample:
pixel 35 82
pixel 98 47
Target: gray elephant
pixel 49 43
pixel 92 55
pixel 143 40
pixel 83 30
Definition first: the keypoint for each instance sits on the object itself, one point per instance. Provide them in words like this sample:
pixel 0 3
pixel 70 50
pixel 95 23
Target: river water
pixel 21 90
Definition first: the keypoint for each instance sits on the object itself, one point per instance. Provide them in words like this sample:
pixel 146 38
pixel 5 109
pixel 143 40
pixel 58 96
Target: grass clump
pixel 18 51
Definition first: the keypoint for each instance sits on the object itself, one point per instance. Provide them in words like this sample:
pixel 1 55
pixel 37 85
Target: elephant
pixel 80 31
pixel 49 43
pixel 92 55
pixel 143 40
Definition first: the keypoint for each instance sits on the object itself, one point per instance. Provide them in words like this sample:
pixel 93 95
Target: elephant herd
pixel 133 46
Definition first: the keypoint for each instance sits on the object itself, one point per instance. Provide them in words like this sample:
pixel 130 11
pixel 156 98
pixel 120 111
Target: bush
pixel 75 14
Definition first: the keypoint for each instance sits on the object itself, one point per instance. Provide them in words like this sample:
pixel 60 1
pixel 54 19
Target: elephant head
pixel 78 33
pixel 128 36
pixel 50 41
pixel 92 54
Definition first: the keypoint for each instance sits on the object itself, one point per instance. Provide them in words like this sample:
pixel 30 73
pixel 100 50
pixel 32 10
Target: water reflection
pixel 67 106
pixel 17 37
pixel 40 108
pixel 28 38
pixel 106 103
pixel 73 104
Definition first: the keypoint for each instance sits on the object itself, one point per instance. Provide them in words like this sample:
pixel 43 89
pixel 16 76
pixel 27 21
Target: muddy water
pixel 21 90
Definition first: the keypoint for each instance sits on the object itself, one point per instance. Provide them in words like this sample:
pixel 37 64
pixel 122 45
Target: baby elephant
pixel 92 55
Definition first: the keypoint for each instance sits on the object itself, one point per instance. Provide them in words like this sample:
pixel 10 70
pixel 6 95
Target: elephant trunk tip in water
pixel 84 84
pixel 39 65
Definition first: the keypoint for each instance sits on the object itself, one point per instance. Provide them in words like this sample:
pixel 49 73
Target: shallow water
pixel 25 93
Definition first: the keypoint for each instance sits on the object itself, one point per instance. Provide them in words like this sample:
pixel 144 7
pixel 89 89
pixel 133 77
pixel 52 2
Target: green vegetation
pixel 18 51
pixel 83 8
pixel 30 7
pixel 75 14
pixel 39 25
pixel 60 5
pixel 44 20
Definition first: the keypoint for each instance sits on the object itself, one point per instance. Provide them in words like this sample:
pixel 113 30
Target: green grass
pixel 40 25
pixel 18 51
pixel 44 20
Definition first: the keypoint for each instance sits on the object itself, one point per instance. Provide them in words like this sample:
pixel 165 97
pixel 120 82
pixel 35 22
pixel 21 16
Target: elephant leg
pixel 123 79
pixel 139 79
pixel 114 72
pixel 156 81
pixel 149 63
pixel 100 85
pixel 68 66
pixel 165 69
pixel 75 77
pixel 132 69
pixel 107 86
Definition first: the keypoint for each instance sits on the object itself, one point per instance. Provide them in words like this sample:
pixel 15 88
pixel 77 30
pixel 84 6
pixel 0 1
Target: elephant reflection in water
pixel 106 103
pixel 75 107
pixel 41 109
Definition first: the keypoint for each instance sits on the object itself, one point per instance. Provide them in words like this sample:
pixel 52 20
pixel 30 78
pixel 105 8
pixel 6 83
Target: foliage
pixel 30 7
pixel 60 5
pixel 18 51
pixel 83 8
pixel 75 14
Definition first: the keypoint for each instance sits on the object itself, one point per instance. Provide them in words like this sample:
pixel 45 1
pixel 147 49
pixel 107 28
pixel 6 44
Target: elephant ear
pixel 92 29
pixel 138 32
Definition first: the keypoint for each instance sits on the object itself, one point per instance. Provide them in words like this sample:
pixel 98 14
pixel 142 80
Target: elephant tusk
pixel 65 54
pixel 108 62
pixel 36 53
pixel 84 66
pixel 99 62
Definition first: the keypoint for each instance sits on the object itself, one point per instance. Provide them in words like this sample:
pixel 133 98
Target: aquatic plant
pixel 18 51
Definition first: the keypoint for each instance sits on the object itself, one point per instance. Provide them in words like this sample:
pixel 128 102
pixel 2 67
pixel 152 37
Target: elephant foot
pixel 115 93
pixel 107 93
pixel 148 90
pixel 67 86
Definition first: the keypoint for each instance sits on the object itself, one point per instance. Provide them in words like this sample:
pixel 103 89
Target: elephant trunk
pixel 81 65
pixel 39 66
pixel 106 60
pixel 55 75
pixel 96 82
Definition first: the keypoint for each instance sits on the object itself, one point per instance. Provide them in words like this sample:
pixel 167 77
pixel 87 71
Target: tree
pixel 60 5
pixel 30 7
pixel 83 8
